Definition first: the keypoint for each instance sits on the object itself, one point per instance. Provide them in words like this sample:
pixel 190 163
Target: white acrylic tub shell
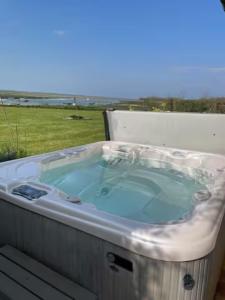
pixel 191 239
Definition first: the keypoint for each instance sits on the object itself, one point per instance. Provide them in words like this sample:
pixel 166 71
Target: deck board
pixel 24 275
pixel 10 290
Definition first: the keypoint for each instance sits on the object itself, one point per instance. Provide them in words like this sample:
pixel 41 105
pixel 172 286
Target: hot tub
pixel 125 220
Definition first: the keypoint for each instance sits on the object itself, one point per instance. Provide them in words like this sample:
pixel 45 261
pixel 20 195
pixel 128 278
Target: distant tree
pixel 223 3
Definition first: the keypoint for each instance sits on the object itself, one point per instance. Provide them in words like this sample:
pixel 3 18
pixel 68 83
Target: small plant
pixel 160 107
pixel 11 149
pixel 9 152
pixel 156 109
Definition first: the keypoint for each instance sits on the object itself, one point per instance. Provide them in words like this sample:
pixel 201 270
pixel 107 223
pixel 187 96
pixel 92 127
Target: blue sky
pixel 124 48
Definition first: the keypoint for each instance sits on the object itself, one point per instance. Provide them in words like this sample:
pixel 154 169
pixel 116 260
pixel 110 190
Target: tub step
pixel 22 277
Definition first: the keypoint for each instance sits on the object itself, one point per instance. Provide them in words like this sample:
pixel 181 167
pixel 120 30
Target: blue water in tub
pixel 136 191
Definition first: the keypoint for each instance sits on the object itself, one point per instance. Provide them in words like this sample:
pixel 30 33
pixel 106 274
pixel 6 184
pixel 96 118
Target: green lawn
pixel 41 130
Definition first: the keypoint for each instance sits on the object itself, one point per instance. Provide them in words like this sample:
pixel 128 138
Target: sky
pixel 115 48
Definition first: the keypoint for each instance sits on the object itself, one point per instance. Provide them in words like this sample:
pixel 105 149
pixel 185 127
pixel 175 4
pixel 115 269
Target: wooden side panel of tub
pixel 83 258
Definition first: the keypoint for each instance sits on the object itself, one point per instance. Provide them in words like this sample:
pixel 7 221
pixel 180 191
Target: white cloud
pixel 59 32
pixel 191 69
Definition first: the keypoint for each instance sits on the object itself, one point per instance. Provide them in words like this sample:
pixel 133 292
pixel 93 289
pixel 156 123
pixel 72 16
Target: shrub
pixel 9 152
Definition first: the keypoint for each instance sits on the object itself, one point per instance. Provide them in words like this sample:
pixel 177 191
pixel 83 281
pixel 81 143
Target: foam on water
pixel 128 189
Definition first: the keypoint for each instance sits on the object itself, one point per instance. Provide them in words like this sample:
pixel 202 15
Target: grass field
pixel 39 130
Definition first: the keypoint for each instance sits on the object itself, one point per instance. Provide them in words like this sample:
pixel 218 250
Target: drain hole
pixel 189 282
pixel 105 191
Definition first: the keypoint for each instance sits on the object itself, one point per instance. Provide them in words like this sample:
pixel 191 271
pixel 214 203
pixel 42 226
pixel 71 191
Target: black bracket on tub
pixel 106 123
pixel 118 261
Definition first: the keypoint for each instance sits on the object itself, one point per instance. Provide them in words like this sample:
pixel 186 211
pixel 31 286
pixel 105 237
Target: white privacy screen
pixel 192 131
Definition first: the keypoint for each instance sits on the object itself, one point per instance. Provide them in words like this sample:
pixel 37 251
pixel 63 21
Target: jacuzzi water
pixel 135 190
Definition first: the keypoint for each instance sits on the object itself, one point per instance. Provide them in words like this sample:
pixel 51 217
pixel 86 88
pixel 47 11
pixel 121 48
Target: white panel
pixel 191 131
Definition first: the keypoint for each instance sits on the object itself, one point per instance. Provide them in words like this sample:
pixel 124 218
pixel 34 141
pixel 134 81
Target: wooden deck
pixel 22 277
